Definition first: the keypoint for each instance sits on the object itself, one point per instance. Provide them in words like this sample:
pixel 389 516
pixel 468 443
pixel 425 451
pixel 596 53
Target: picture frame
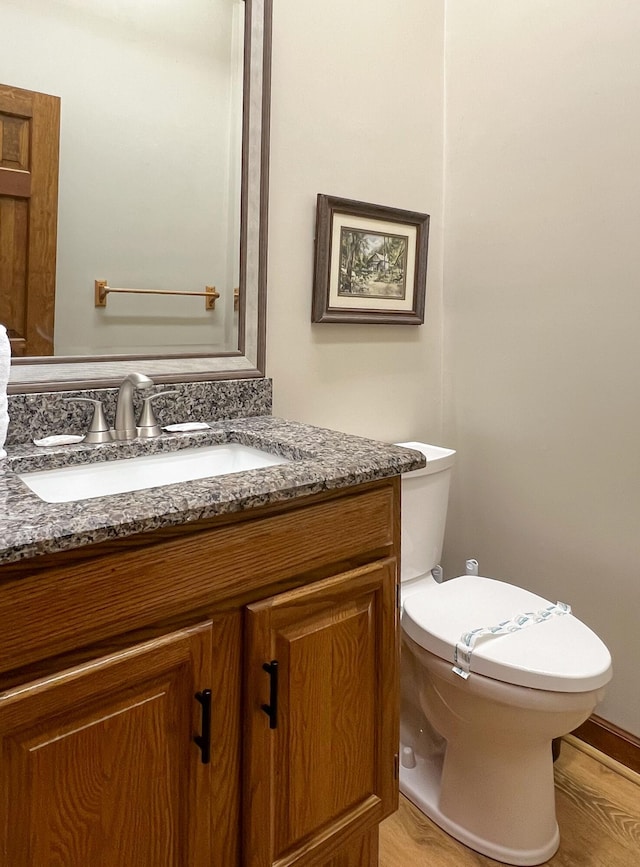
pixel 370 263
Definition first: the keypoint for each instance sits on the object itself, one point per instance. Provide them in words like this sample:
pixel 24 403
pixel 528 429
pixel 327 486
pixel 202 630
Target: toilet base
pixel 421 785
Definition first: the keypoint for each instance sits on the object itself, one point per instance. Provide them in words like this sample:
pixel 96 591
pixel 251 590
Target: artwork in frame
pixel 370 263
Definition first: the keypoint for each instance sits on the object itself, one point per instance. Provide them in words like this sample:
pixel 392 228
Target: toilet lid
pixel 559 654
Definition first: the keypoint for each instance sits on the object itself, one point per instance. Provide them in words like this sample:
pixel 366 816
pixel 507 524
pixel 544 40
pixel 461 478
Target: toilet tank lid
pixel 559 655
pixel 438 458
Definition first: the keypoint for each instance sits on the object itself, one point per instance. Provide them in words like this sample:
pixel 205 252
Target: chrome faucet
pixel 125 423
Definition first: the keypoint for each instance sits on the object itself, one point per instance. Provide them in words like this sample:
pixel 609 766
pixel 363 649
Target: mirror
pixel 163 184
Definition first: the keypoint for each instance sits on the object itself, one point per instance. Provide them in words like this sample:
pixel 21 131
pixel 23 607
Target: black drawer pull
pixel 271 709
pixel 204 740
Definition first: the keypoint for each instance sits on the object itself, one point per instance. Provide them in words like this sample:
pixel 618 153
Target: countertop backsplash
pixel 38 415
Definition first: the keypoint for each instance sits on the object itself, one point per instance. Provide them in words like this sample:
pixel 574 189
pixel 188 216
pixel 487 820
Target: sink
pixel 86 481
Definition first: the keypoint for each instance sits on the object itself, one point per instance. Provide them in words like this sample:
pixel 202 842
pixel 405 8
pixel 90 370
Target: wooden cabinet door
pixel 29 145
pixel 99 766
pixel 327 771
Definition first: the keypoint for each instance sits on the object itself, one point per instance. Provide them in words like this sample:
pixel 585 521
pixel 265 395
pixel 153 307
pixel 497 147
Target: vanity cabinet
pixel 287 614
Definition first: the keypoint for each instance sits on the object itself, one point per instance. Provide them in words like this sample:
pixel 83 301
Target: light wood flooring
pixel 598 809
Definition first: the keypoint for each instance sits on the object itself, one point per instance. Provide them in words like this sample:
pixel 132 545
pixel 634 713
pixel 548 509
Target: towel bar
pixel 102 290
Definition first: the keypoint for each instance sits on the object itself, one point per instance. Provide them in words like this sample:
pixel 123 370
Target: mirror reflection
pixel 150 157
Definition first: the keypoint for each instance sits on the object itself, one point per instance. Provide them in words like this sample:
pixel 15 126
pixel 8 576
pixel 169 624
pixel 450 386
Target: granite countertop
pixel 321 460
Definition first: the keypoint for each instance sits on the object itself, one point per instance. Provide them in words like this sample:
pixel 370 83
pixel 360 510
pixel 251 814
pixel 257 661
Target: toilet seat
pixel 560 654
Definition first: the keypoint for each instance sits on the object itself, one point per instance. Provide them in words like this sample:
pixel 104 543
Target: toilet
pixel 491 674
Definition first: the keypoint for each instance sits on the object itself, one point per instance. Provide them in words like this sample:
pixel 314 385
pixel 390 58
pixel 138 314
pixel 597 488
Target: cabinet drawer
pixel 84 601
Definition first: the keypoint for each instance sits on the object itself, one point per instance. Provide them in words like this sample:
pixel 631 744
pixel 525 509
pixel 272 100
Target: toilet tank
pixel 425 494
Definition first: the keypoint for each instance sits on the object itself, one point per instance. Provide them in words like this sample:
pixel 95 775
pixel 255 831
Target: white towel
pixel 5 364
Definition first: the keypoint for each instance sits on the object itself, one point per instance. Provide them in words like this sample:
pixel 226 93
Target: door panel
pixel 327 769
pixel 99 765
pixel 329 669
pixel 29 151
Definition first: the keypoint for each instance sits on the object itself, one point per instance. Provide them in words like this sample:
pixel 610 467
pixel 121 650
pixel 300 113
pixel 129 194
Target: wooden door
pixel 327 772
pixel 99 766
pixel 29 145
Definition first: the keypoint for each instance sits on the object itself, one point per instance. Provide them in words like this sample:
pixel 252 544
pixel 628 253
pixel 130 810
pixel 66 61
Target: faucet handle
pixel 148 425
pixel 98 429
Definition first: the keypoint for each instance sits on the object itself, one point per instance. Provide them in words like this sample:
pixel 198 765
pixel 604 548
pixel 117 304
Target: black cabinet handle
pixel 204 740
pixel 271 709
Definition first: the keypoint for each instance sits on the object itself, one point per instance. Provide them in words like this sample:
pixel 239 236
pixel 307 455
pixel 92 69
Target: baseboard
pixel 611 740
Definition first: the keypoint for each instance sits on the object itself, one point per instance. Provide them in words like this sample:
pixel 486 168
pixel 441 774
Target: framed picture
pixel 370 263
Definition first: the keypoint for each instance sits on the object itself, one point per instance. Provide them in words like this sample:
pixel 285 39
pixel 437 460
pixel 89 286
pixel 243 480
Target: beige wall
pixel 541 275
pixel 357 112
pixel 541 385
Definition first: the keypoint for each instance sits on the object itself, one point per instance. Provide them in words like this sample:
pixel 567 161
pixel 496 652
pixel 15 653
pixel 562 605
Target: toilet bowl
pixel 490 675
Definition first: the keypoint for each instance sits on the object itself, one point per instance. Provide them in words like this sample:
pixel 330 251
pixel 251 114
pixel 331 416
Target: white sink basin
pixel 85 481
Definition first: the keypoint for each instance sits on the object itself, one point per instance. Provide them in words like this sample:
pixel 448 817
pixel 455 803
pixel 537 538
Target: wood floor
pixel 598 808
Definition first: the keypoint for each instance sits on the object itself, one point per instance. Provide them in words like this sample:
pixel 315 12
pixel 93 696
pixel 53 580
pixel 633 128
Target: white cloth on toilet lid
pixel 560 654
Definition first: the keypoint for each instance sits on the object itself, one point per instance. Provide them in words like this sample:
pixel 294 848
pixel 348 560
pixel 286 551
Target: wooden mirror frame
pixel 103 371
